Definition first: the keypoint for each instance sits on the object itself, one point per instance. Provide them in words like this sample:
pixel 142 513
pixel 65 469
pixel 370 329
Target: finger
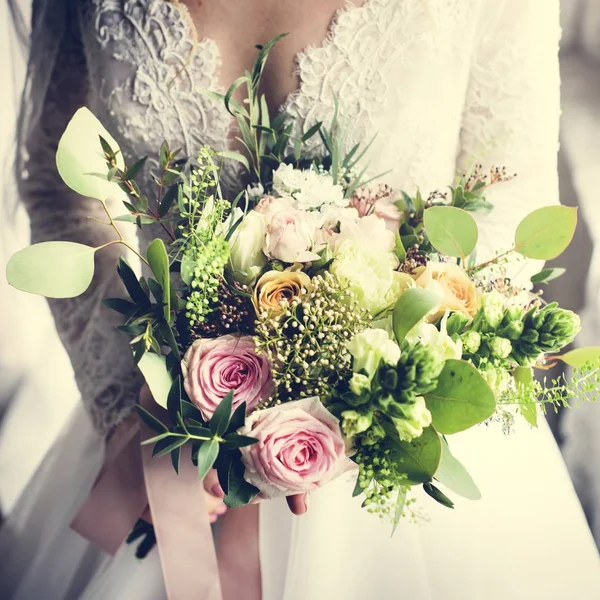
pixel 212 485
pixel 298 503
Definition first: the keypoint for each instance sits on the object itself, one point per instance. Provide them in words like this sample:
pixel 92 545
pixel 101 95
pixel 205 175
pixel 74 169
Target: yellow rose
pixel 275 290
pixel 459 293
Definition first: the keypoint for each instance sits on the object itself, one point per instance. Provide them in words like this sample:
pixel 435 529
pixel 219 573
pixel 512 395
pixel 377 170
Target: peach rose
pixel 276 289
pixel 459 293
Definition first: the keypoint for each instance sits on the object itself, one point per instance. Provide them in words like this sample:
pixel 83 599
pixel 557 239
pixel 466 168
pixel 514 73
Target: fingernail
pixel 217 491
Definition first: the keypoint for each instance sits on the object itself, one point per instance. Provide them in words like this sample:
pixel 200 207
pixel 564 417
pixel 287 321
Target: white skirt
pixel 526 539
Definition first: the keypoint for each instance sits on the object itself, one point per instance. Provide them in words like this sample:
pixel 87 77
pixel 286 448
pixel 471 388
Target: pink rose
pixel 213 367
pixel 300 448
pixel 289 232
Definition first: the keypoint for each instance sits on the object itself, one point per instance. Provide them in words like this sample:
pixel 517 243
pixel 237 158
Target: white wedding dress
pixel 444 83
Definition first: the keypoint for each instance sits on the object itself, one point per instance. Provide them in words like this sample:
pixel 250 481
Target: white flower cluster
pixel 310 189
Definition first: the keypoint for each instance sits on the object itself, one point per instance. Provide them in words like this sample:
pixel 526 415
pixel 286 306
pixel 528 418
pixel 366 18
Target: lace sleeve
pixel 56 87
pixel 512 115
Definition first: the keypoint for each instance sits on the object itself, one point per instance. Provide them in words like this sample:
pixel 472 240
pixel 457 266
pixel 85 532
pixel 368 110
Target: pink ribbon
pixel 132 479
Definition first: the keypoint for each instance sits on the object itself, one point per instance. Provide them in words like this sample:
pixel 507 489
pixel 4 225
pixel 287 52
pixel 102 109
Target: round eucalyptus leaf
pixel 461 399
pixel 80 158
pixel 420 458
pixel 454 476
pixel 546 232
pixel 451 231
pixel 52 269
pixel 579 357
pixel 157 376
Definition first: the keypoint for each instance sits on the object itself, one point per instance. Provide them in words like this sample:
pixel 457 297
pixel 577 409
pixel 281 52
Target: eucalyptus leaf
pixel 398 511
pixel 461 399
pixel 580 357
pixel 207 455
pixel 420 458
pixel 52 269
pixel 455 477
pixel 157 376
pixel 545 233
pixel 451 231
pixel 80 158
pixel 411 307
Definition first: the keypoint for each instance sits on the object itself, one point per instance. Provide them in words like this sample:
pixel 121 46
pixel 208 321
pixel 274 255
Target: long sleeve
pixel 56 87
pixel 511 116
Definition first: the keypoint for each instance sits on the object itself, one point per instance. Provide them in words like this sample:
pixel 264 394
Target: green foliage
pixel 159 263
pixel 580 357
pixel 451 231
pixel 454 476
pixel 80 161
pixel 461 400
pixel 524 382
pixel 418 459
pixel 546 232
pixel 52 269
pixel 546 275
pixel 411 308
pixel 157 376
pixel 438 495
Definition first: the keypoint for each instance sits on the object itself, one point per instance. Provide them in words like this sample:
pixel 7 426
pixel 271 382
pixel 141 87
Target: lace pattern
pixel 441 82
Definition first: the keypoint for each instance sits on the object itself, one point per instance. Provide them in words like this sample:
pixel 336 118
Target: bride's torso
pixel 400 69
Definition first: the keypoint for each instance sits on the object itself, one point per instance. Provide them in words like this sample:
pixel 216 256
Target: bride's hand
pixel 214 496
pixel 298 503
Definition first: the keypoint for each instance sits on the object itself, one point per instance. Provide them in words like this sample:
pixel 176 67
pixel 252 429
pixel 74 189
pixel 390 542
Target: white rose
pixel 247 258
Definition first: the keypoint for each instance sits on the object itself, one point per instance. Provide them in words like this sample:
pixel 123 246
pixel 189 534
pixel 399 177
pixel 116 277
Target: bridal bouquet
pixel 318 322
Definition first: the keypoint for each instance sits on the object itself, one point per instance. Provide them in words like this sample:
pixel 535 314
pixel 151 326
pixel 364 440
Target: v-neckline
pixel 330 38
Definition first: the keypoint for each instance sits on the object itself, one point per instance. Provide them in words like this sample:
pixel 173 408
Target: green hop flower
pixel 545 330
pixel 360 384
pixel 500 347
pixel 354 422
pixel 492 306
pixel 471 342
pixel 418 370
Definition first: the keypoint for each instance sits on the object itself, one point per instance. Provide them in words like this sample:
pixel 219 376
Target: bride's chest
pixel 398 67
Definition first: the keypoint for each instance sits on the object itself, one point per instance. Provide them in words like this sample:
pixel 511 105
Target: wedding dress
pixel 444 83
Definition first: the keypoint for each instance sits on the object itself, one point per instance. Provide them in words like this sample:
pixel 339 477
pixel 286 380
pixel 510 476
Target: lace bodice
pixel 443 83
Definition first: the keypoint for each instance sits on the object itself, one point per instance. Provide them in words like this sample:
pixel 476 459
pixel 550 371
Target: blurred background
pixel 37 392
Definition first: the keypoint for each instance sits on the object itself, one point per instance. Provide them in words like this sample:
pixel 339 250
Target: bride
pixel 444 83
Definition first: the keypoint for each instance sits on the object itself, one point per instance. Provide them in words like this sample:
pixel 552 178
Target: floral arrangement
pixel 318 322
